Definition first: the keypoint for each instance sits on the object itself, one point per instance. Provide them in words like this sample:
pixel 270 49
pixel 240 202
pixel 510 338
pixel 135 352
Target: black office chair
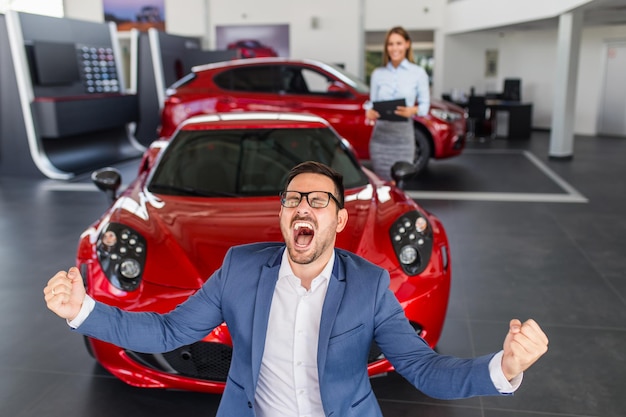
pixel 512 89
pixel 478 119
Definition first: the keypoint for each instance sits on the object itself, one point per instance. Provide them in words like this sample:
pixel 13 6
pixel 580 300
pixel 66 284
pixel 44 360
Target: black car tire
pixel 422 151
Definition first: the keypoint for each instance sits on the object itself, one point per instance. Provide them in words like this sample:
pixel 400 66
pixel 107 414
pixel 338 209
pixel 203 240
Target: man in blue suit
pixel 322 306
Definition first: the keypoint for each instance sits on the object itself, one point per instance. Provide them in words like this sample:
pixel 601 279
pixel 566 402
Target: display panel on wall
pixel 254 41
pixel 64 64
pixel 53 63
pixel 135 14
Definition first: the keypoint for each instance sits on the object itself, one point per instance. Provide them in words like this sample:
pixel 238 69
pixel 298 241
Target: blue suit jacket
pixel 359 308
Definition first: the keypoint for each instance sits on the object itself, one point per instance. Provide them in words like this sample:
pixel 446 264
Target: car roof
pixel 242 119
pixel 243 62
pixel 256 61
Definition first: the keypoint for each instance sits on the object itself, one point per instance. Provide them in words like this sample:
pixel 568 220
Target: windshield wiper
pixel 189 191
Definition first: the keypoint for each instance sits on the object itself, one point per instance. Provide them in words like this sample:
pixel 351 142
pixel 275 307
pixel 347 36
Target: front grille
pixel 209 361
pixel 201 360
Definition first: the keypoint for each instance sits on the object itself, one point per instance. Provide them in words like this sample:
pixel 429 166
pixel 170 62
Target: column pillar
pixel 568 48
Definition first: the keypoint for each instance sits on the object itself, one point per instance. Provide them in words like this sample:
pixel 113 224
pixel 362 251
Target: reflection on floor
pixel 559 260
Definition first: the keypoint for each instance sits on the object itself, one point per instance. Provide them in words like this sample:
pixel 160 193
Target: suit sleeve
pixel 439 376
pixel 155 333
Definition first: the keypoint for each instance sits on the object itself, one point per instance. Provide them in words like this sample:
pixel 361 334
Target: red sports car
pixel 251 48
pixel 288 85
pixel 216 184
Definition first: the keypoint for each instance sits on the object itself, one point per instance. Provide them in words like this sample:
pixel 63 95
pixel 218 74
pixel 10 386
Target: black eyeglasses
pixel 316 199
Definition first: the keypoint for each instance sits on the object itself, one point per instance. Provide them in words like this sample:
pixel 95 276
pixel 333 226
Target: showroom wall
pixel 459 57
pixel 91 10
pixel 593 56
pixel 470 15
pixel 337 37
pixel 380 15
pixel 328 30
pixel 531 56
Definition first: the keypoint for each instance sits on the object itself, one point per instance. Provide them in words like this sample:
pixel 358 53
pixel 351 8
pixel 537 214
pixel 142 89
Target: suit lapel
pixel 334 295
pixel 263 302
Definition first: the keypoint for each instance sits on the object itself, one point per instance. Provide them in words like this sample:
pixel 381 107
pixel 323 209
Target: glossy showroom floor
pixel 530 237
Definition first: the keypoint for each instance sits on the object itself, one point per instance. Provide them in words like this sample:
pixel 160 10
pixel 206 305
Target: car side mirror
pixel 401 171
pixel 337 88
pixel 108 180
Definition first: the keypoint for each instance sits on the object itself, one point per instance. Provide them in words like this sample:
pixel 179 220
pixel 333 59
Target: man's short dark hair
pixel 313 167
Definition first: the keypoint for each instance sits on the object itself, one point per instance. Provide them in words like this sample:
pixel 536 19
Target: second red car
pixel 305 86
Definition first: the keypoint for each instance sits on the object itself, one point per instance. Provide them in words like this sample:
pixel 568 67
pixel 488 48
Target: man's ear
pixel 342 219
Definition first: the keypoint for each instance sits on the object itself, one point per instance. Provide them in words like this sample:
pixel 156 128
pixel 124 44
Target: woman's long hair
pixel 399 30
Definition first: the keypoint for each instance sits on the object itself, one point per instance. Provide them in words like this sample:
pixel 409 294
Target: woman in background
pixel 398 78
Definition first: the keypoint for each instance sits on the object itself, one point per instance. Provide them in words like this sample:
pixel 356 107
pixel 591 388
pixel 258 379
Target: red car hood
pixel 187 238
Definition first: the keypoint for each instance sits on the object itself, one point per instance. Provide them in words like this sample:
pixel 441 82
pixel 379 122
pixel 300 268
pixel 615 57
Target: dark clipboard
pixel 387 108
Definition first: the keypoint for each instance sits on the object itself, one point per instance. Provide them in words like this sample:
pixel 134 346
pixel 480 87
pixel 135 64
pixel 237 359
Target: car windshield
pixel 247 162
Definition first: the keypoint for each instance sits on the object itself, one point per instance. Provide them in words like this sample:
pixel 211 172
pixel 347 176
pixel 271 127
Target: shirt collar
pixel 403 64
pixel 285 270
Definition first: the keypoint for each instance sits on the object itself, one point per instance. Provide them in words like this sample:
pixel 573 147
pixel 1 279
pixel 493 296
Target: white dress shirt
pixel 288 383
pixel 407 81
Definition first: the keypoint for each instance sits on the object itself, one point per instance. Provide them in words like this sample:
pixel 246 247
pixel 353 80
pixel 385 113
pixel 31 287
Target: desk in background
pixel 512 119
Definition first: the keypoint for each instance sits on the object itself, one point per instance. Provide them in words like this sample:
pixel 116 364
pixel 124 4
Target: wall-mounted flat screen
pixel 55 63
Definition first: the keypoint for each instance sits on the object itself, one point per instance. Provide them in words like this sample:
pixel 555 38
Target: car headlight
pixel 412 240
pixel 122 255
pixel 445 115
pixel 408 255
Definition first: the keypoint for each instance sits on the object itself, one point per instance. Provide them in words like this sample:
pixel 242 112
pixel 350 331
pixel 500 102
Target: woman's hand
pixel 407 112
pixel 370 116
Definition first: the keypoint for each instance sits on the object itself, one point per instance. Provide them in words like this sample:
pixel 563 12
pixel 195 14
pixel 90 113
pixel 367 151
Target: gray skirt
pixel 391 142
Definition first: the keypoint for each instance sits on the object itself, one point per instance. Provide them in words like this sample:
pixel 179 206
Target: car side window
pixel 317 83
pixel 299 80
pixel 258 79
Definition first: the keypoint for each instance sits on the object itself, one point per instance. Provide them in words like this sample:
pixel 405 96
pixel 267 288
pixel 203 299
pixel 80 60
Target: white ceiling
pixel 596 13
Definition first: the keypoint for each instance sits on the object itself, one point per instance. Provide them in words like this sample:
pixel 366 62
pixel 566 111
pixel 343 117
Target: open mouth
pixel 303 234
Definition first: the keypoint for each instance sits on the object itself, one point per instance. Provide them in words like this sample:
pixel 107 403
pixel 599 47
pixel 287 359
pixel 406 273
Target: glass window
pixel 52 8
pixel 247 162
pixel 317 83
pixel 261 79
pixel 348 78
pixel 304 80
